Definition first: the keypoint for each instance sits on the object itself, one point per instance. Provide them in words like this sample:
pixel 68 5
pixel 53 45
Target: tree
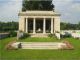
pixel 8 26
pixel 69 26
pixel 63 26
pixel 79 25
pixel 37 5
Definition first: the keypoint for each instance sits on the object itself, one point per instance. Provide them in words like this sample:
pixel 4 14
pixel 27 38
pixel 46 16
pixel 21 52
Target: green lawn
pixel 40 54
pixel 39 39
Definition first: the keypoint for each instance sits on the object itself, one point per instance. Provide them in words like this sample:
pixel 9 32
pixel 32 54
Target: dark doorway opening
pixel 30 25
pixel 39 25
pixel 48 25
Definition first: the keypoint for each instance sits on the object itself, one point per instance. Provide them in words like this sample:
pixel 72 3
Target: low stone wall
pixel 4 35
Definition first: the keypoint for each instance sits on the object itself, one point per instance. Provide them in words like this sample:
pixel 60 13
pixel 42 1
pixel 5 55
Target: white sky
pixel 69 10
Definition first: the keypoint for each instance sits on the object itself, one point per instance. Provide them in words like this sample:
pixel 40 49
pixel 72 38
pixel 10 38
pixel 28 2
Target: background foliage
pixel 13 26
pixel 37 5
pixel 8 26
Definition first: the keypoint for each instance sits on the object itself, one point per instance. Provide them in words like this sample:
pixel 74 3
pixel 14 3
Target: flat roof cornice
pixel 38 13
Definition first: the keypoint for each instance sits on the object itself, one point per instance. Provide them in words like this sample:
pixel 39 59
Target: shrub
pixel 50 35
pixel 13 34
pixel 23 35
pixel 19 45
pixel 66 35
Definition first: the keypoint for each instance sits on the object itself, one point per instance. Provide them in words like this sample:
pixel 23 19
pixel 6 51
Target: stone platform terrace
pixel 40 45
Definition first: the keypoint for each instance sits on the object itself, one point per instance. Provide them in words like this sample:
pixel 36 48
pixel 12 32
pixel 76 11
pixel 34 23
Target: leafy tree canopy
pixel 37 5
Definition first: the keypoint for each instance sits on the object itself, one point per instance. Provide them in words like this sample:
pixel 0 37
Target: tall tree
pixel 37 5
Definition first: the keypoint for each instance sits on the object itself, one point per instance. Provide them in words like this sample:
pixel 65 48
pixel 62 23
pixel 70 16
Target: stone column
pixel 34 26
pixel 52 25
pixel 22 24
pixel 57 27
pixel 44 26
pixel 26 25
pixel 56 24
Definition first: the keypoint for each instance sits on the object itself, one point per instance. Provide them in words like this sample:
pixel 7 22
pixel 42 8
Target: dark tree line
pixel 69 26
pixel 13 26
pixel 8 26
pixel 37 5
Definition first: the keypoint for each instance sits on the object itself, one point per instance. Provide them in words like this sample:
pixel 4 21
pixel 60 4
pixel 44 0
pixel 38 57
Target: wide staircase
pixel 40 45
pixel 39 35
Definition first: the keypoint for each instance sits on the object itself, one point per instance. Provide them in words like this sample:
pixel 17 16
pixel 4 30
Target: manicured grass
pixel 21 54
pixel 39 39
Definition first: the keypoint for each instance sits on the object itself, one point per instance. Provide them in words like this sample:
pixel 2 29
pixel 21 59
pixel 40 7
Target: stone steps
pixel 40 45
pixel 39 35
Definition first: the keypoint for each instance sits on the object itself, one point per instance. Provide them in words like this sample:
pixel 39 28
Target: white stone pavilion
pixel 43 22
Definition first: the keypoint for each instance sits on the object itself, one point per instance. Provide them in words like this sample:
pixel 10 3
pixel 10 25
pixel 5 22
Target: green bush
pixel 50 35
pixel 25 35
pixel 67 35
pixel 13 34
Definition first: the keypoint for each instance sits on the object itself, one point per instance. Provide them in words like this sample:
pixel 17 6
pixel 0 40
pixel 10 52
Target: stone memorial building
pixel 39 21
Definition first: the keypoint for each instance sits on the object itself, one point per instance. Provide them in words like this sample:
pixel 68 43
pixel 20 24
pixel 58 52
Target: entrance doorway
pixel 39 25
pixel 30 25
pixel 48 25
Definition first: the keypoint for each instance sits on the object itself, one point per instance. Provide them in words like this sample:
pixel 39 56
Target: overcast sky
pixel 69 10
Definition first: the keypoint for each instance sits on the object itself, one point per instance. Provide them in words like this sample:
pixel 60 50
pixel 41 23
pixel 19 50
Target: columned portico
pixel 44 25
pixel 39 22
